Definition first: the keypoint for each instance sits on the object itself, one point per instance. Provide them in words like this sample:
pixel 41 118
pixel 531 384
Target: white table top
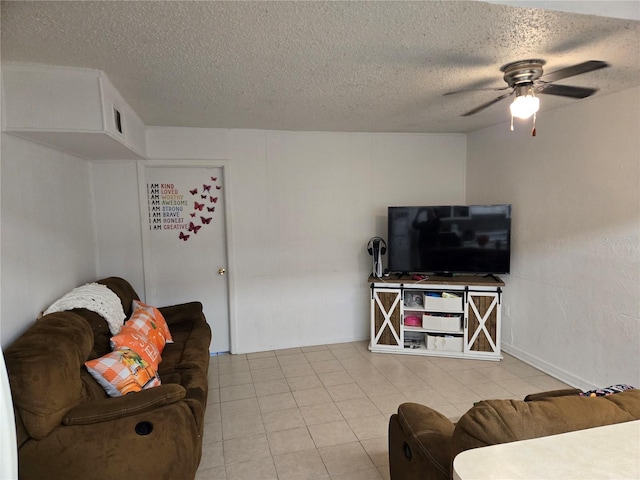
pixel 610 452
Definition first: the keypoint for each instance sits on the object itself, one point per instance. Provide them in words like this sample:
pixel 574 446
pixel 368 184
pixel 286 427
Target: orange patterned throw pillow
pixel 123 371
pixel 139 344
pixel 149 322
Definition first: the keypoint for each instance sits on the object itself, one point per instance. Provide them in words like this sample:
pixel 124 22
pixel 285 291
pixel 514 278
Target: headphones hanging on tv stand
pixel 383 247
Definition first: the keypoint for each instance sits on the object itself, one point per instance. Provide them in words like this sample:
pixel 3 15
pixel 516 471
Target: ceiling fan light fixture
pixel 525 104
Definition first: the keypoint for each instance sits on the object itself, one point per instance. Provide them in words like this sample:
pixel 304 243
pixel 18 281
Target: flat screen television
pixel 449 239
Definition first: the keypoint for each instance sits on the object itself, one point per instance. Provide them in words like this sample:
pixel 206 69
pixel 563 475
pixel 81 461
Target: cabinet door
pixel 482 323
pixel 386 318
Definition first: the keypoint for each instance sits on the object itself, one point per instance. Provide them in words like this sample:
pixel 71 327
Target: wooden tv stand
pixel 457 316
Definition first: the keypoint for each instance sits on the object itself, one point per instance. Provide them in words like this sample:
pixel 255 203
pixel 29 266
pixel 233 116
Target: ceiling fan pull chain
pixel 512 122
pixel 533 130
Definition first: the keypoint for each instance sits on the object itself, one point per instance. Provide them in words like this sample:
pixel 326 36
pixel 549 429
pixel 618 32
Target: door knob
pixel 222 271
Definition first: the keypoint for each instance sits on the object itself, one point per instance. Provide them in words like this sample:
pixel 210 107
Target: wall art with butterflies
pixel 182 211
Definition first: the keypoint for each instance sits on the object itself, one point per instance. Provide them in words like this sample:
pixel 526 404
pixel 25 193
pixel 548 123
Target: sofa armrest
pixel 184 312
pixel 108 409
pixel 551 394
pixel 420 442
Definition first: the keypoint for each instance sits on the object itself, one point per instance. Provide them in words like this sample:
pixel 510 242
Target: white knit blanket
pixel 97 298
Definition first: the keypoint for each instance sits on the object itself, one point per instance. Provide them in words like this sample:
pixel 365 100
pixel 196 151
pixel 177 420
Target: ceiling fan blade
pixel 485 105
pixel 475 90
pixel 565 90
pixel 578 69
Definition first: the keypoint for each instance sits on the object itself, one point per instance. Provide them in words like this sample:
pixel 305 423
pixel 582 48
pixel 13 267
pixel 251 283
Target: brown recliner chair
pixel 423 442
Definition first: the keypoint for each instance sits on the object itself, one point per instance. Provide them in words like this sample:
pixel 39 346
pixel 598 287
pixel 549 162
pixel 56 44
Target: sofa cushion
pixel 123 371
pixel 500 421
pixel 44 370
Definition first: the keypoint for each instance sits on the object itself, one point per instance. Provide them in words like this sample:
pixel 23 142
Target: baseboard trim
pixel 548 368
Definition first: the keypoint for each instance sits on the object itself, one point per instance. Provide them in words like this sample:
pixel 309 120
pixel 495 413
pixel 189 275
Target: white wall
pixel 303 205
pixel 48 242
pixel 572 301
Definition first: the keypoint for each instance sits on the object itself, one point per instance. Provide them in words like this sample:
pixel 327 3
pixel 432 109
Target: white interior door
pixel 185 252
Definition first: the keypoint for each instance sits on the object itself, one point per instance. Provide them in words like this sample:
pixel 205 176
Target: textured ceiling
pixel 340 66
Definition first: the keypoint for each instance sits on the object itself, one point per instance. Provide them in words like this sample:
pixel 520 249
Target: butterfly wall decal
pixel 214 179
pixel 194 191
pixel 184 237
pixel 206 188
pixel 218 187
pixel 211 209
pixel 206 221
pixel 198 206
pixel 193 228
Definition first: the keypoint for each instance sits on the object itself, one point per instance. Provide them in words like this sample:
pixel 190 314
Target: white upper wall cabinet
pixel 72 109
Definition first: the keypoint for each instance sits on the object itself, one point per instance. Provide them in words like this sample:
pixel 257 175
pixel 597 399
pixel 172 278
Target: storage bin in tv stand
pixel 466 325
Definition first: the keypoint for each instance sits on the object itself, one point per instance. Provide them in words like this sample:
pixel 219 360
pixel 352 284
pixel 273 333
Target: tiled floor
pixel 322 412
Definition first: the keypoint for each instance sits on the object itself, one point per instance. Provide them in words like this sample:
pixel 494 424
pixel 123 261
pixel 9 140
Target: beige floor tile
pixel 271 386
pixel 260 469
pixel 388 404
pixel 245 449
pixel 345 392
pixel 212 456
pixel 237 392
pixel 314 348
pixel 377 388
pixel 323 413
pixel 262 363
pixel 368 474
pixel 326 366
pixel 357 407
pixel 267 374
pixel 384 472
pixel 287 351
pixel 346 352
pixel 490 390
pixel 312 396
pixel 292 359
pixel 297 369
pixel 268 353
pixel 239 408
pixel 304 382
pixel 212 413
pixel 319 356
pixel 283 419
pixel 377 449
pixel 334 433
pixel 233 368
pixel 236 378
pixel 213 396
pixel 302 465
pixel 212 432
pixel 345 458
pixel 216 473
pixel 241 426
pixel 277 401
pixel 369 427
pixel 335 378
pixel 292 440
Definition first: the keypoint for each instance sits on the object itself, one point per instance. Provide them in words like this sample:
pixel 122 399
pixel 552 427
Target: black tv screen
pixel 449 239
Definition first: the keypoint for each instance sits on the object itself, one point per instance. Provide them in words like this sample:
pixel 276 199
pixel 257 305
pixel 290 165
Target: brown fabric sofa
pixel 423 442
pixel 67 426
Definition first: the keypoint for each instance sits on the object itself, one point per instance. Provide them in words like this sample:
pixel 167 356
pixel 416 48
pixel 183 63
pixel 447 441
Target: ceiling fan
pixel 526 78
